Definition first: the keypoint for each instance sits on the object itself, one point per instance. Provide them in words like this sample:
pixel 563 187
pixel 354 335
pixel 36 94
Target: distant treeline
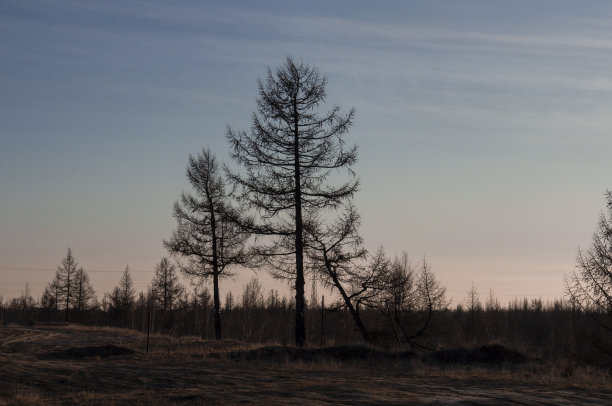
pixel 541 330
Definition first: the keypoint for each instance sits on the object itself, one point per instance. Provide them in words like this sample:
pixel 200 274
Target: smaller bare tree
pixel 66 272
pixel 165 286
pixel 472 300
pixel 123 296
pixel 338 256
pixel 412 294
pixel 207 234
pixel 252 302
pixel 431 297
pixel 112 303
pixel 492 304
pixel 51 296
pixel 84 295
pixel 474 307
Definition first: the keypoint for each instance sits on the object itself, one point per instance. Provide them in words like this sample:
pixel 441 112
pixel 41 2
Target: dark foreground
pixel 71 364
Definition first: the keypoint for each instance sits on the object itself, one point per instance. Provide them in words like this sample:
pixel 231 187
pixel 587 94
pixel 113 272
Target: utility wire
pixel 94 240
pixel 16 268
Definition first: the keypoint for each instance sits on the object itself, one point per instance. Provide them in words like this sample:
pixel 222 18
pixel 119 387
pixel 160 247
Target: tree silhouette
pixel 423 296
pixel 336 252
pixel 52 294
pixel 472 300
pixel 124 295
pixel 207 233
pixel 165 285
pixel 474 306
pixel 66 273
pixel 112 303
pixel 84 294
pixel 288 158
pixel 589 286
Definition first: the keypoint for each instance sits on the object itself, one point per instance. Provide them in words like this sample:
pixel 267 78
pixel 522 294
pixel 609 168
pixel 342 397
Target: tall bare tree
pixel 589 286
pixel 207 234
pixel 288 158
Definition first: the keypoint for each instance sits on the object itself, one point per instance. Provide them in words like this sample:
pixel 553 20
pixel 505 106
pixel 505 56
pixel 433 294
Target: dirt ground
pixel 71 364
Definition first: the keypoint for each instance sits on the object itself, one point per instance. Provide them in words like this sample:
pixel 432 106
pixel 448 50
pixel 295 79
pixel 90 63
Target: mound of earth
pixel 102 351
pixel 486 354
pixel 362 353
pixel 342 353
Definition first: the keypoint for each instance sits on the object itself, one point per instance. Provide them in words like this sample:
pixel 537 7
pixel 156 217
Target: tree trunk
pixel 215 264
pixel 300 321
pixel 217 306
pixel 347 301
pixel 67 297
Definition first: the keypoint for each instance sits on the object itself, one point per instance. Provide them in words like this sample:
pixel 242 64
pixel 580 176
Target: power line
pixel 19 269
pixel 94 240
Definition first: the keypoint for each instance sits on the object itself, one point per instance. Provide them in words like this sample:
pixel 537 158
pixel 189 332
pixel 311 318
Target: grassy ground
pixel 71 364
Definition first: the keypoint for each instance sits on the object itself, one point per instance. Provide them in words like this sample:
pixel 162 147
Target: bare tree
pixel 25 301
pixel 52 294
pixel 229 301
pixel 431 297
pixel 252 300
pixel 337 256
pixel 412 294
pixel 472 300
pixel 165 285
pixel 47 302
pixel 492 304
pixel 314 295
pixel 207 233
pixel 401 287
pixel 288 158
pixel 252 295
pixel 124 295
pixel 589 286
pixel 202 299
pixel 112 303
pixel 66 272
pixel 474 307
pixel 84 294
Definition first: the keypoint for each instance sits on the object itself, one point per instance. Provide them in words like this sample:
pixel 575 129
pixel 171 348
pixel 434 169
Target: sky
pixel 482 127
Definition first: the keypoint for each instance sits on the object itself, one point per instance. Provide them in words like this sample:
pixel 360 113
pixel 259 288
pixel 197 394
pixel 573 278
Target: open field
pixel 72 364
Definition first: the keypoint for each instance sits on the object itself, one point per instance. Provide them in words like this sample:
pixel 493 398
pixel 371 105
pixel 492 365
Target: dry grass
pixel 192 371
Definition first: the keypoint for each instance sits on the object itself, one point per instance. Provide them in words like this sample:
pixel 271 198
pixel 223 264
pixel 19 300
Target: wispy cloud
pixel 445 96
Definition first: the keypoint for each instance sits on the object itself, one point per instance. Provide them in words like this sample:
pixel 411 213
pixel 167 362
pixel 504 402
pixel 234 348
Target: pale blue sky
pixel 483 127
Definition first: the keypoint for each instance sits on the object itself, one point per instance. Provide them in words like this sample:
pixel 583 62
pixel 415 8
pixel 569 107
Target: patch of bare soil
pixel 90 351
pixel 184 371
pixel 486 354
